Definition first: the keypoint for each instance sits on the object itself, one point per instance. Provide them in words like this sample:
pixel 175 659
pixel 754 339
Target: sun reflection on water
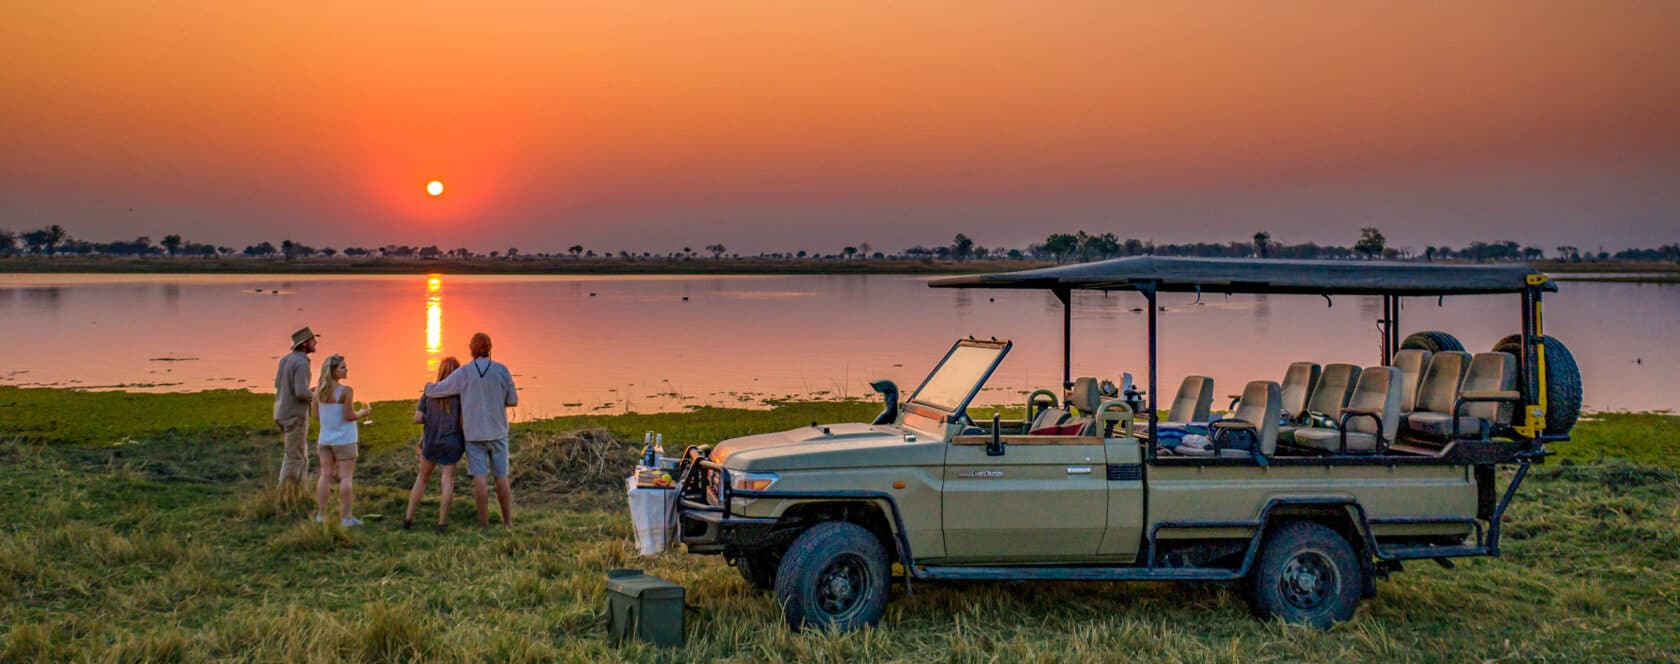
pixel 434 321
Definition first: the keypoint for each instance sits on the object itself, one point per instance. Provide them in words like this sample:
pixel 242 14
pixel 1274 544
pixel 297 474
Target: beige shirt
pixel 291 387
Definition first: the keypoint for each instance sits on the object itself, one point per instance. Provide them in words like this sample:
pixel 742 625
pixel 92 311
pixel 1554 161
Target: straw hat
pixel 301 336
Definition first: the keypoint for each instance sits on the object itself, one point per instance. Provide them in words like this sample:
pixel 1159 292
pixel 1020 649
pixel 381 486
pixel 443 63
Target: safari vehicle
pixel 1306 492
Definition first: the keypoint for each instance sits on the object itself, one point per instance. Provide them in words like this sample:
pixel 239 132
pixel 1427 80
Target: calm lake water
pixel 662 343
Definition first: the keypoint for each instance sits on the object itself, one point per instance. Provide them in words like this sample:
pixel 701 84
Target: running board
pixel 969 573
pixel 1427 552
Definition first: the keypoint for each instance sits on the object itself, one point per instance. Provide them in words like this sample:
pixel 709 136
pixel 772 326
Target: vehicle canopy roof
pixel 1245 275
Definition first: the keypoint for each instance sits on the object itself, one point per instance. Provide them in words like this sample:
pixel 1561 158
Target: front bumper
pixel 706 518
pixel 707 522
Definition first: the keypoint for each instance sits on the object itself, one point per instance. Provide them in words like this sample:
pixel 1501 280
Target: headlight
pixel 752 481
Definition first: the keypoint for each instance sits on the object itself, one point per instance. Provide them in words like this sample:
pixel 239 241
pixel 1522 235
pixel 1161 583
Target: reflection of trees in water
pixel 1370 307
pixel 44 297
pixel 1262 315
pixel 1091 305
pixel 172 296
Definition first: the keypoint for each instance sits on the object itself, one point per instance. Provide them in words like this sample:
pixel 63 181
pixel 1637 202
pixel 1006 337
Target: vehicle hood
pixel 845 445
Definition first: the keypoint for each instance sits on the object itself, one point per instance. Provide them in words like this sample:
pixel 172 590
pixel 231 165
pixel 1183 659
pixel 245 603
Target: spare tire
pixel 1432 341
pixel 1563 382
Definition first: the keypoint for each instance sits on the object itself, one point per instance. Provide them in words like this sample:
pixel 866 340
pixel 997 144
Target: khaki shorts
pixel 337 453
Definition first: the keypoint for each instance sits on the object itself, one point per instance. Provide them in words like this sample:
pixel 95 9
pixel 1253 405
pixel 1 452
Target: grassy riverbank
pixel 138 528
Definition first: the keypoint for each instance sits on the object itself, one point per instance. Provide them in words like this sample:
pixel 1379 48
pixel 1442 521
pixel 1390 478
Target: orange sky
pixel 779 125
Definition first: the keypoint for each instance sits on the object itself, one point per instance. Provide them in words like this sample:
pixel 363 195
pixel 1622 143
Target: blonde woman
pixel 441 446
pixel 336 445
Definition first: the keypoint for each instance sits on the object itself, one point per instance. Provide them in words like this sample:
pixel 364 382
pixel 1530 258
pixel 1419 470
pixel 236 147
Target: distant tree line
pixel 1058 247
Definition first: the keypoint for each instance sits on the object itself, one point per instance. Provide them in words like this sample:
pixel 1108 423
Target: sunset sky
pixel 775 125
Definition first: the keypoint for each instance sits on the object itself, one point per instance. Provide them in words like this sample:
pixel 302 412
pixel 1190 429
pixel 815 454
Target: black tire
pixel 1306 573
pixel 834 576
pixel 1563 382
pixel 759 569
pixel 1432 341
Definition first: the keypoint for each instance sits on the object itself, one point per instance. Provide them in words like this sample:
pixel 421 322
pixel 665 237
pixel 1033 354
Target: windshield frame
pixel 1000 346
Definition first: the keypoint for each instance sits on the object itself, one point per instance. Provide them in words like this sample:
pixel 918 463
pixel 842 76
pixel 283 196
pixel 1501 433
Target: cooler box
pixel 645 608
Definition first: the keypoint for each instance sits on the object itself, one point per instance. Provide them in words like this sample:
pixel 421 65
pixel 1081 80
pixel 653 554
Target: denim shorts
pixel 487 456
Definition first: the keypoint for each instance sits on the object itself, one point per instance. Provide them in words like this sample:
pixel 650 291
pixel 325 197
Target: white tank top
pixel 335 430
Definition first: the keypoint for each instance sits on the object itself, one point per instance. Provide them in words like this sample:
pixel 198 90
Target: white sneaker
pixel 350 522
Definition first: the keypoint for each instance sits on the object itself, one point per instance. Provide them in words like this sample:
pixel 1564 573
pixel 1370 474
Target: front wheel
pixel 834 575
pixel 1306 573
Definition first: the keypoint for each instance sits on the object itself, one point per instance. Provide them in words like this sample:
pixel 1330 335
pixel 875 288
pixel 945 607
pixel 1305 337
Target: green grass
pixel 141 528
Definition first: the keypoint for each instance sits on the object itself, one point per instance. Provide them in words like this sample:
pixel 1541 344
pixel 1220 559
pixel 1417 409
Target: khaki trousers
pixel 294 466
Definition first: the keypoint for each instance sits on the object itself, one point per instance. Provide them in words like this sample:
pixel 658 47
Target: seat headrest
pixel 1489 369
pixel 1411 360
pixel 1304 373
pixel 1194 386
pixel 1085 395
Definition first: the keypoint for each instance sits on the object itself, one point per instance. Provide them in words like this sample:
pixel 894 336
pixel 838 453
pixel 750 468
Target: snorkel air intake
pixel 889 392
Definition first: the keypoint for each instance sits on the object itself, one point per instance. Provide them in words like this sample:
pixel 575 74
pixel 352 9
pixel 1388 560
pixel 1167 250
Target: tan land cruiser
pixel 1302 494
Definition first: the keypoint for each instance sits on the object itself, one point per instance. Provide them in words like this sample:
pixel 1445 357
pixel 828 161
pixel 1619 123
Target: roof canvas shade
pixel 1233 275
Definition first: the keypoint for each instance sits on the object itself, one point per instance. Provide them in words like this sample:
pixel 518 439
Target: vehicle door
pixel 1045 498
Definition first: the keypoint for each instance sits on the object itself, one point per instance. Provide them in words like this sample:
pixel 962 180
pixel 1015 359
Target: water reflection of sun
pixel 434 321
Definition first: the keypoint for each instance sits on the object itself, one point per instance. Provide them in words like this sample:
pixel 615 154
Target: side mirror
pixel 994 447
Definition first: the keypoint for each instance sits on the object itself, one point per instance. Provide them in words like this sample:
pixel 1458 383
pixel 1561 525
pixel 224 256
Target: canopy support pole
pixel 1148 291
pixel 1387 325
pixel 1394 329
pixel 1066 296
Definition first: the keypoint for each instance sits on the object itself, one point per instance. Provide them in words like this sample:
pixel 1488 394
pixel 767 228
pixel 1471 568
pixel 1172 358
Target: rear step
pixel 1424 552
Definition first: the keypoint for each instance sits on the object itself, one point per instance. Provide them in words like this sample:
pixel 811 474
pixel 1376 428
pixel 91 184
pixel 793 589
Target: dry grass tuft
pixel 394 633
pixel 311 537
pixel 268 504
pixel 589 461
pixel 27 643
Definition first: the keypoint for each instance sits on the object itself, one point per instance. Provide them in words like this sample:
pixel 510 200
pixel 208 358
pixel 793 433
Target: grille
pixel 1127 472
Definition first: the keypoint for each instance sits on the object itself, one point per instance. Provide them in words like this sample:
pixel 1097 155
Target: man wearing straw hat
pixel 292 397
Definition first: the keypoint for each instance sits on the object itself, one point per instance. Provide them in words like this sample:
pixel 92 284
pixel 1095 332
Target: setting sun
pixel 435 187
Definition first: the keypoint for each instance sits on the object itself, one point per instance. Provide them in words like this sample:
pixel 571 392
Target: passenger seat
pixel 1257 410
pixel 1372 416
pixel 1085 396
pixel 1436 394
pixel 1298 384
pixel 1194 400
pixel 1329 396
pixel 1491 375
pixel 1411 362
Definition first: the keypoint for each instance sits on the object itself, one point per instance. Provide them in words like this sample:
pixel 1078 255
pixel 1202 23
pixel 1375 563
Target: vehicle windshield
pixel 960 375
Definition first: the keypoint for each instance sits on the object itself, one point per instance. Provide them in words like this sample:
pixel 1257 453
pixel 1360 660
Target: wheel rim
pixel 1308 580
pixel 842 585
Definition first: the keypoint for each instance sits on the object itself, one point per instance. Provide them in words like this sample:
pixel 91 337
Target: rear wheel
pixel 1563 382
pixel 1432 341
pixel 835 575
pixel 1306 573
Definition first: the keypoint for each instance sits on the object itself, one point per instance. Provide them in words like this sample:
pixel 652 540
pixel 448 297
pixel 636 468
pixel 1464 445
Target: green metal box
pixel 644 607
